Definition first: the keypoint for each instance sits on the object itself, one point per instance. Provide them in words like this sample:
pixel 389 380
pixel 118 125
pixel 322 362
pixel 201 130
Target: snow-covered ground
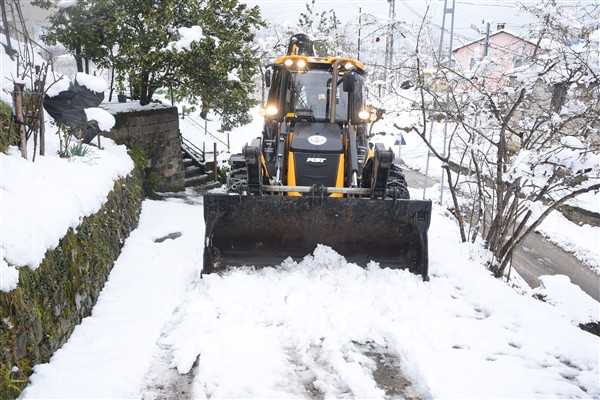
pixel 284 332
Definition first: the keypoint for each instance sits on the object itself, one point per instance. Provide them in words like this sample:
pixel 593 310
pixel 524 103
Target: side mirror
pixel 349 82
pixel 268 78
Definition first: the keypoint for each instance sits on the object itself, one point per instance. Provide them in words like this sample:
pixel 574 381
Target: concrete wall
pixel 155 129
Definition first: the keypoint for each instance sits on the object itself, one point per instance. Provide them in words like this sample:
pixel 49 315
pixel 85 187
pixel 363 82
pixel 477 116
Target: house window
pixel 472 63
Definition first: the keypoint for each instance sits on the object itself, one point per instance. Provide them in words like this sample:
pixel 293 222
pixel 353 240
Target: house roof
pixel 493 34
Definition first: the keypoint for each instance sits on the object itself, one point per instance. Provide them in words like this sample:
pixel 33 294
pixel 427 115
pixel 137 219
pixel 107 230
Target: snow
pixel 104 119
pixel 61 84
pixel 66 3
pixel 270 332
pixel 233 75
pixel 130 106
pixel 93 83
pixel 186 37
pixel 8 76
pixel 115 344
pixel 317 311
pixel 41 200
pixel 569 299
pixel 580 240
pixel 9 276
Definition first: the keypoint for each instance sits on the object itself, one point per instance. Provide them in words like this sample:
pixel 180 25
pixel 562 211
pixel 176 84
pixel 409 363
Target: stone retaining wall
pixel 39 315
pixel 156 131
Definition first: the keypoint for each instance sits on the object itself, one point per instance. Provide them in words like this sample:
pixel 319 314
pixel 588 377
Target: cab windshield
pixel 309 94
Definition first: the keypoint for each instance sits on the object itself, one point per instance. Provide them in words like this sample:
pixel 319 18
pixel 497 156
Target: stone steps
pixel 199 180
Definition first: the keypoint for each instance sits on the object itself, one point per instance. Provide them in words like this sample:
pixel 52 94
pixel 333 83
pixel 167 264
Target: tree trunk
pixel 457 212
pixel 112 83
pixel 41 87
pixel 144 90
pixel 9 50
pixel 78 59
pixel 19 88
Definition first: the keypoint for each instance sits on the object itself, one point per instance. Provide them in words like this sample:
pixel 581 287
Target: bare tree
pixel 524 149
pixel 30 82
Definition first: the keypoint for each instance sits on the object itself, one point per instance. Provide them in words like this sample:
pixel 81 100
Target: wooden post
pixel 216 167
pixel 40 93
pixel 19 88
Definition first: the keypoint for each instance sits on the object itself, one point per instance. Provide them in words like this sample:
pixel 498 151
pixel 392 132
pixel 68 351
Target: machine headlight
pixel 364 114
pixel 301 63
pixel 349 66
pixel 289 62
pixel 271 110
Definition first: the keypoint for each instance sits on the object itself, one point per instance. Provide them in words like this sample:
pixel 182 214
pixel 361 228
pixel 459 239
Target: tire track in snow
pixel 162 381
pixel 322 379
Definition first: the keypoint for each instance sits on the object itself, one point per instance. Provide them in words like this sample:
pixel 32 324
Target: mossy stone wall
pixel 39 315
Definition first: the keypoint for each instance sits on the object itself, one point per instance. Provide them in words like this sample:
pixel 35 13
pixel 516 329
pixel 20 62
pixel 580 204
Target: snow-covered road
pixel 314 329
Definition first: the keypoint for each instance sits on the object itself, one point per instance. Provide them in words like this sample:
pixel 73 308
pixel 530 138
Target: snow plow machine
pixel 313 178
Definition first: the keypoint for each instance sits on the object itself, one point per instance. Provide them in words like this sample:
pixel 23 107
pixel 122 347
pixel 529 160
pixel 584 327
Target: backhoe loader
pixel 313 178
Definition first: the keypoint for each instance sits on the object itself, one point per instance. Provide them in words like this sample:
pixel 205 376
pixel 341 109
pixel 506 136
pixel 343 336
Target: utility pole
pixel 486 50
pixel 389 43
pixel 487 40
pixel 449 59
pixel 359 27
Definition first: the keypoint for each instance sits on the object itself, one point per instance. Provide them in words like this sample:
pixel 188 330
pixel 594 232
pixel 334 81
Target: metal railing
pixel 205 130
pixel 197 154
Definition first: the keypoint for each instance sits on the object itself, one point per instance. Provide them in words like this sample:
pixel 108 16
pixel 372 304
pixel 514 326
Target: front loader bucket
pixel 265 230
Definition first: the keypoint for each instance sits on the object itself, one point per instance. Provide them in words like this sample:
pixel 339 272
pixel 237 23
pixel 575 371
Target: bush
pixel 9 133
pixel 140 159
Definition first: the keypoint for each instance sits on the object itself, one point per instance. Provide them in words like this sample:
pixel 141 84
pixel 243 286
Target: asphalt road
pixel 537 256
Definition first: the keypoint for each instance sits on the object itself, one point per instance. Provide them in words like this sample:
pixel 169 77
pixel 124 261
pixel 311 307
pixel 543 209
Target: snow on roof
pixel 494 34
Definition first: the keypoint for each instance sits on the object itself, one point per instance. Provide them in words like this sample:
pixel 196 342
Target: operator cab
pixel 314 106
pixel 301 88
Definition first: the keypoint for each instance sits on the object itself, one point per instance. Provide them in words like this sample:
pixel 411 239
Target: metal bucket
pixel 265 230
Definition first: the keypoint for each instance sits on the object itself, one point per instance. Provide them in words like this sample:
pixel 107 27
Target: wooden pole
pixel 42 127
pixel 19 88
pixel 40 96
pixel 216 167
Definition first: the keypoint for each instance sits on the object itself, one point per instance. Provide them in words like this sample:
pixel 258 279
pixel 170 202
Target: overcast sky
pixel 468 13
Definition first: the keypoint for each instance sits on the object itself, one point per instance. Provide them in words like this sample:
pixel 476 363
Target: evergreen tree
pixel 140 40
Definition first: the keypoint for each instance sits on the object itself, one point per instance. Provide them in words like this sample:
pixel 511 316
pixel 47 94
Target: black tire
pixel 397 182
